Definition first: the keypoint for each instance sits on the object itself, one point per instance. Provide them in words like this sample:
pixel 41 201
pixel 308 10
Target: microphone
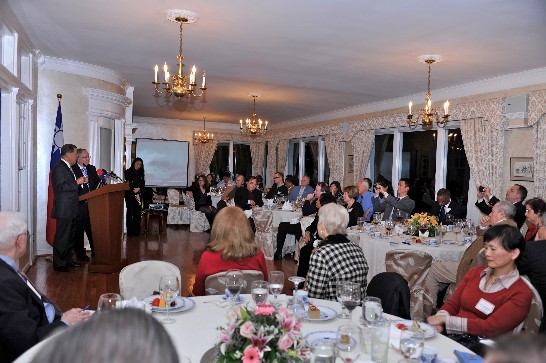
pixel 103 173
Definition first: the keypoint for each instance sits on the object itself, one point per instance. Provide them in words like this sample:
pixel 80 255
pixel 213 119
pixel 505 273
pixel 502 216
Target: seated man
pixel 226 180
pixel 26 316
pixel 386 203
pixel 246 198
pixel 278 188
pixel 229 193
pixel 516 195
pixel 444 206
pixel 365 198
pixel 290 182
pixel 451 272
pixel 301 191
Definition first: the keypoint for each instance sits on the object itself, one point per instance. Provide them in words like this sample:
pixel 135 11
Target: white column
pixel 8 151
pixel 397 145
pixel 441 158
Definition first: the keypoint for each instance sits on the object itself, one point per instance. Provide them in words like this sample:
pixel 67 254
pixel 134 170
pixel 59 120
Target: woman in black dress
pixel 133 197
pixel 350 194
pixel 201 196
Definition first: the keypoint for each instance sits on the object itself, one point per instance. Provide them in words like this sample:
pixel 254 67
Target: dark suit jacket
pixel 487 208
pixel 405 204
pixel 65 192
pixel 456 211
pixel 23 321
pixel 242 197
pixel 532 263
pixel 93 178
pixel 282 190
pixel 198 196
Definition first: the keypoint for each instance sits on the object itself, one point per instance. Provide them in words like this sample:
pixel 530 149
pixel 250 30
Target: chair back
pixel 532 322
pixel 173 196
pixel 414 267
pixel 141 279
pixel 393 291
pixel 216 285
pixel 266 235
pixel 263 219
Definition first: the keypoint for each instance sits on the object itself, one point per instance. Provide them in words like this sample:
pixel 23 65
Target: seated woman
pixel 201 196
pixel 534 209
pixel 490 300
pixel 336 258
pixel 335 189
pixel 231 246
pixel 355 210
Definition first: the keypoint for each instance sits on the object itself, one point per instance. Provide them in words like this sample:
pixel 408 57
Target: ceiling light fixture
pixel 428 114
pixel 253 126
pixel 203 137
pixel 179 84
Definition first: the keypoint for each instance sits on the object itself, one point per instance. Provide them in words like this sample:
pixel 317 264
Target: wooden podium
pixel 106 215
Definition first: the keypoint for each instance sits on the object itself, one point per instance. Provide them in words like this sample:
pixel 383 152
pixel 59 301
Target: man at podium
pixel 82 168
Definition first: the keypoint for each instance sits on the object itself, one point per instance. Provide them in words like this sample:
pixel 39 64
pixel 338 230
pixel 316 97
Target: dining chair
pixel 215 284
pixel 141 279
pixel 177 214
pixel 266 234
pixel 414 267
pixel 198 220
pixel 393 290
pixel 532 322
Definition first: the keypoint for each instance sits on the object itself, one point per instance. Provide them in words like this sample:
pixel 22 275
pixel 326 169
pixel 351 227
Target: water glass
pixel 349 345
pixel 360 223
pixel 371 309
pixel 259 291
pixel 296 306
pixel 323 351
pixel 411 343
pixel 276 283
pixel 169 286
pixel 108 302
pixel 376 218
pixel 380 340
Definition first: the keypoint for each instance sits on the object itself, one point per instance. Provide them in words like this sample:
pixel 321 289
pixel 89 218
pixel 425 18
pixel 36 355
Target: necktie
pixel 84 172
pixel 442 214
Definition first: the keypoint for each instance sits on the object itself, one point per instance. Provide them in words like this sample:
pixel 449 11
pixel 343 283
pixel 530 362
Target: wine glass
pixel 108 302
pixel 296 280
pixel 234 284
pixel 276 283
pixel 296 306
pixel 259 291
pixel 376 218
pixel 412 229
pixel 411 343
pixel 169 286
pixel 389 225
pixel 399 216
pixel 350 296
pixel 449 219
pixel 349 342
pixel 360 223
pixel 371 309
pixel 339 289
pixel 457 228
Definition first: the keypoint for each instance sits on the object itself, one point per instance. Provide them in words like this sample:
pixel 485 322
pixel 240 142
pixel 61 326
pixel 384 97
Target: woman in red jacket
pixel 232 246
pixel 490 300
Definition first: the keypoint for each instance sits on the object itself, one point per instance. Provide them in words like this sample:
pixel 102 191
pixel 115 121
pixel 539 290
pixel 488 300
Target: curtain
pixel 271 162
pixel 257 151
pixel 362 143
pixel 537 118
pixel 282 155
pixel 484 148
pixel 334 153
pixel 203 156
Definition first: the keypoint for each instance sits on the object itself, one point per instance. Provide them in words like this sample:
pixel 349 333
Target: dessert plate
pixel 180 304
pixel 326 313
pixel 318 336
pixel 428 330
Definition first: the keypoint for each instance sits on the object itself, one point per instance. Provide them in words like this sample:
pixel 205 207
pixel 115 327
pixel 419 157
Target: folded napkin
pixel 135 304
pixel 465 357
pixel 248 213
pixel 287 206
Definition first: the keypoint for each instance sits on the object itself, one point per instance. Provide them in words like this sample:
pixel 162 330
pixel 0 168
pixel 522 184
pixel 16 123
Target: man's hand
pixel 307 237
pixel 310 196
pixel 75 315
pixel 136 190
pixel 479 195
pixel 485 221
pixel 80 180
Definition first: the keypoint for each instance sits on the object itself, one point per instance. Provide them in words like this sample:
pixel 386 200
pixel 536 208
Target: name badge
pixel 34 290
pixel 485 306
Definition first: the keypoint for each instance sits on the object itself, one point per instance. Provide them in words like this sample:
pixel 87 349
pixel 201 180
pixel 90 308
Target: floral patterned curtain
pixel 334 153
pixel 537 118
pixel 282 155
pixel 257 151
pixel 484 148
pixel 362 143
pixel 203 156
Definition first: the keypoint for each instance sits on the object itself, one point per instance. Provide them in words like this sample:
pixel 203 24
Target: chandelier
pixel 179 84
pixel 203 137
pixel 428 114
pixel 251 125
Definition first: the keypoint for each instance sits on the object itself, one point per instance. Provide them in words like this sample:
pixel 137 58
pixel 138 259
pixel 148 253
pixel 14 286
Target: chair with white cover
pixel 266 234
pixel 216 284
pixel 177 214
pixel 532 322
pixel 141 279
pixel 304 222
pixel 198 220
pixel 414 267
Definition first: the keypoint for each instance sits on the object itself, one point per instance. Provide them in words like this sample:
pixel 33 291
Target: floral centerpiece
pixel 264 335
pixel 423 219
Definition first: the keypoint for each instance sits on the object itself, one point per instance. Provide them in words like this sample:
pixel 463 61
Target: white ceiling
pixel 305 56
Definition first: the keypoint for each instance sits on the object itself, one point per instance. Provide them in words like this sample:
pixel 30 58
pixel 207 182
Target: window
pixel 383 156
pixel 294 158
pixel 242 159
pixel 220 160
pixel 457 167
pixel 308 157
pixel 232 157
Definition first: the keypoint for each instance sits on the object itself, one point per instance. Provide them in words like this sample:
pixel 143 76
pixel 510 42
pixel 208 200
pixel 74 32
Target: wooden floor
pixel 177 245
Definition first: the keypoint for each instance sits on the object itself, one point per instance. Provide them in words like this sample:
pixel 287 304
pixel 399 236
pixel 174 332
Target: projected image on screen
pixel 165 162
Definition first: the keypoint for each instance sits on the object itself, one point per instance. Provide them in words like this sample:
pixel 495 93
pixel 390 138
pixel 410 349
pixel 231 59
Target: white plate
pixel 315 336
pixel 428 330
pixel 326 313
pixel 179 304
pixel 189 303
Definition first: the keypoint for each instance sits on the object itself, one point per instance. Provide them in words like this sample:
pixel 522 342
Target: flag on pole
pixel 58 142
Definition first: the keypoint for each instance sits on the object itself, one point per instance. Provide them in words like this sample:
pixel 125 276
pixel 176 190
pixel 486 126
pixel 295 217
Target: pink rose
pixel 285 342
pixel 251 355
pixel 265 310
pixel 247 329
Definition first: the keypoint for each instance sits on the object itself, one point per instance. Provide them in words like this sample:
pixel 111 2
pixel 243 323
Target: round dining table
pixel 195 332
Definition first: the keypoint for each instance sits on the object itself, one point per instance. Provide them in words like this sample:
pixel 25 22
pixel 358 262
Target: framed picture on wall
pixel 521 169
pixel 350 164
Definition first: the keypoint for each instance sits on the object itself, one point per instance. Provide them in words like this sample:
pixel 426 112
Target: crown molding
pixel 106 104
pixel 83 69
pixel 488 85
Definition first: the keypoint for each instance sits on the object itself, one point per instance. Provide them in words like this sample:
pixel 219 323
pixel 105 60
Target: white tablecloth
pixel 375 250
pixel 194 331
pixel 280 215
pixel 215 199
